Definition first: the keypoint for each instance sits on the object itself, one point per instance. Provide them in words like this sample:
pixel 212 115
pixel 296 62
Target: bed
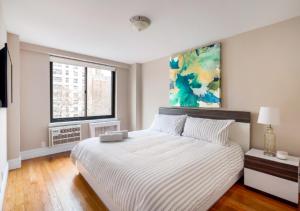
pixel 157 171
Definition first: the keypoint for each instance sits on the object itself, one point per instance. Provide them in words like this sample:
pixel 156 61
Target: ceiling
pixel 101 27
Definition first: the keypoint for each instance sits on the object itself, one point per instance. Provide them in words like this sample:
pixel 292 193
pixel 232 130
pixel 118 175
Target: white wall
pixel 35 99
pixel 13 109
pixel 135 96
pixel 155 88
pixel 3 118
pixel 3 34
pixel 3 148
pixel 260 67
pixel 35 94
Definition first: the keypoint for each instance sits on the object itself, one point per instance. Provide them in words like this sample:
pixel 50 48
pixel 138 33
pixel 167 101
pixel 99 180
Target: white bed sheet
pixel 157 171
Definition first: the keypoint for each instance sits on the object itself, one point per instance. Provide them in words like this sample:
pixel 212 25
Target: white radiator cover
pixel 97 128
pixel 64 134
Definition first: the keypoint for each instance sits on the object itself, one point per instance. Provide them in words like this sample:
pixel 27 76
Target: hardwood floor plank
pixel 74 194
pixel 9 201
pixel 52 168
pixel 247 195
pixel 33 191
pixel 53 197
pixel 77 186
pixel 52 183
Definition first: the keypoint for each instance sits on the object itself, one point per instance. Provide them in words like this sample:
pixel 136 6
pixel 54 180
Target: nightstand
pixel 272 175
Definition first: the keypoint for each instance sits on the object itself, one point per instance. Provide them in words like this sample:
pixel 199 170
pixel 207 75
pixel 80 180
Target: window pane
pixel 68 91
pixel 99 92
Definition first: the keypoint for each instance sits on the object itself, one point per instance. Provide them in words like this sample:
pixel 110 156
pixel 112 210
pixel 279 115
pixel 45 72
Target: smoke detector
pixel 140 22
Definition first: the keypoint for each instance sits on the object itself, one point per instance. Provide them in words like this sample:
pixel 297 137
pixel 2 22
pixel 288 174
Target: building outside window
pixel 85 91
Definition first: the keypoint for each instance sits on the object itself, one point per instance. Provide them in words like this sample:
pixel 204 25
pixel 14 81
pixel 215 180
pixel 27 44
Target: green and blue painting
pixel 195 77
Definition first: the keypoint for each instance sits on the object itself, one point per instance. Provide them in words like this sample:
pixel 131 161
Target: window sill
pixel 56 124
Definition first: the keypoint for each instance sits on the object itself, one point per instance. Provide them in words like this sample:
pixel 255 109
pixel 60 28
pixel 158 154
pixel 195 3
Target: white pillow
pixel 171 124
pixel 211 130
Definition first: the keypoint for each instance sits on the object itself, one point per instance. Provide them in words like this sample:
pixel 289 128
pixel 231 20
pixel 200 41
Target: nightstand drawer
pixel 276 186
pixel 284 171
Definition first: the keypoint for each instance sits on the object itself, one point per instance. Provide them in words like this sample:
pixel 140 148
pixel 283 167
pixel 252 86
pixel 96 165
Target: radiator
pixel 97 128
pixel 64 134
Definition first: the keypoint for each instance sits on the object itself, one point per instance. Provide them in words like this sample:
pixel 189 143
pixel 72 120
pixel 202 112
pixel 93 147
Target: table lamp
pixel 269 116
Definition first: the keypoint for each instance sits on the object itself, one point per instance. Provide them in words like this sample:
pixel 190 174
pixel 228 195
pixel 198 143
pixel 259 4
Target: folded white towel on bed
pixel 124 133
pixel 111 137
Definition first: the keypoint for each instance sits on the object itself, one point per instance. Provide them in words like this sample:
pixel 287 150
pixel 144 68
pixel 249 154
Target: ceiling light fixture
pixel 140 22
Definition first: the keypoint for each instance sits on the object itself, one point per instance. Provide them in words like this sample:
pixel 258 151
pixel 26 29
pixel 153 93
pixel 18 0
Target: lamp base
pixel 270 142
pixel 269 154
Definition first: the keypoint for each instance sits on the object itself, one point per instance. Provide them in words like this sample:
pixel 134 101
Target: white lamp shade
pixel 268 116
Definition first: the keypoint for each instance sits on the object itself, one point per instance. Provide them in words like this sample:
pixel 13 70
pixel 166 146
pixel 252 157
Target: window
pixel 57 80
pixel 57 71
pixel 86 91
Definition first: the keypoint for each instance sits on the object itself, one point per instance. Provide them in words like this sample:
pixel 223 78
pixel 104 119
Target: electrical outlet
pixel 43 144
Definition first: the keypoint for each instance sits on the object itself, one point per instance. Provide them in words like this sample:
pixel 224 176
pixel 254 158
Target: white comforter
pixel 156 171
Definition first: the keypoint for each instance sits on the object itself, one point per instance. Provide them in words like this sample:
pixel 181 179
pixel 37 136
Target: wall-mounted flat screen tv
pixel 5 69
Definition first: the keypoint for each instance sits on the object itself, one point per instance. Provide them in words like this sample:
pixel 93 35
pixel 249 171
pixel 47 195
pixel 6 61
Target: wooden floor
pixel 53 183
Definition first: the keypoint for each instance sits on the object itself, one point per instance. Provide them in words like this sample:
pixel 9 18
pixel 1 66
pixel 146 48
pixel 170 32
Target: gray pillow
pixel 211 130
pixel 171 124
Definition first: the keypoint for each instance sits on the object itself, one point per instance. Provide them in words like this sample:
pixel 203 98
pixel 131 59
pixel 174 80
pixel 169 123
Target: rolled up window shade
pixel 81 63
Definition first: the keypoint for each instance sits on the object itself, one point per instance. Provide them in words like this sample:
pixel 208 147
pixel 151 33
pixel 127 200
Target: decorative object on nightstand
pixel 272 175
pixel 269 116
pixel 282 155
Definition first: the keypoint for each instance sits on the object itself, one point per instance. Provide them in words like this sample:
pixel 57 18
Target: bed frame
pixel 240 133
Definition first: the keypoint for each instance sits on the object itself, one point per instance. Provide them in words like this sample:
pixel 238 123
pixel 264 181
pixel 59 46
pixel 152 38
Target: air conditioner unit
pixel 64 134
pixel 97 128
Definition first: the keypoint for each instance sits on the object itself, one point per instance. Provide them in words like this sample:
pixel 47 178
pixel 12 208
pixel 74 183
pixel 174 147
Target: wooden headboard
pixel 239 131
pixel 238 116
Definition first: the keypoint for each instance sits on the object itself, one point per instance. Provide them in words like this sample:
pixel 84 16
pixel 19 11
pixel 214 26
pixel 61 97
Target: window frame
pixel 69 119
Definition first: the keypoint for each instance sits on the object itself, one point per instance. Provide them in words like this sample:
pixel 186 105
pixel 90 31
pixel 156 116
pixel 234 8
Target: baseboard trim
pixel 40 152
pixel 3 185
pixel 14 163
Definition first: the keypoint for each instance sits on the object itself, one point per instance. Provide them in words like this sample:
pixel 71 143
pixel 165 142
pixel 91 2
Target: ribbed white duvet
pixel 156 171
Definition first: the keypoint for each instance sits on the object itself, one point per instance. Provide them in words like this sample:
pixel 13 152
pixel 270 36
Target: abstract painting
pixel 195 77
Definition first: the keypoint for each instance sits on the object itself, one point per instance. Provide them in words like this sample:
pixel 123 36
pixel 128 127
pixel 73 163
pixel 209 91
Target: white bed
pixel 158 171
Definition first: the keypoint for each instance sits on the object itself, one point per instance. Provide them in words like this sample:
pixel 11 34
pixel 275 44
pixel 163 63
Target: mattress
pixel 157 171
